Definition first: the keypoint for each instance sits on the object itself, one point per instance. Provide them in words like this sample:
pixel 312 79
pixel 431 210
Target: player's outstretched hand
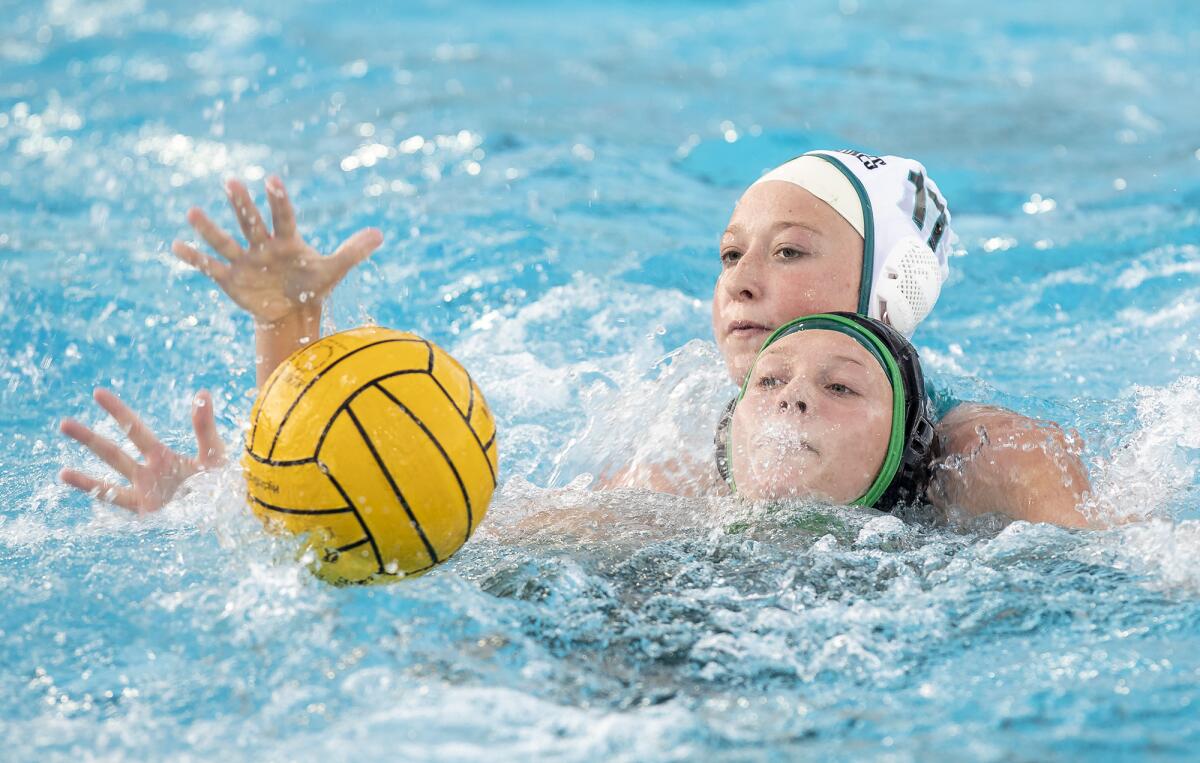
pixel 277 275
pixel 153 481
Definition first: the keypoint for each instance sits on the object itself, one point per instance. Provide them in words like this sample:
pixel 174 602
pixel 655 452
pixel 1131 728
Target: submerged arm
pixel 993 460
pixel 683 476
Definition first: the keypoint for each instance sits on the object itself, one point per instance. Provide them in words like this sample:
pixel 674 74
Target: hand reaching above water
pixel 277 274
pixel 155 480
pixel 277 277
pixel 281 281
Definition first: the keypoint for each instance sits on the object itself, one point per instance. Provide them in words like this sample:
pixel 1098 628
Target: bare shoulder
pixel 966 416
pixel 995 460
pixel 970 426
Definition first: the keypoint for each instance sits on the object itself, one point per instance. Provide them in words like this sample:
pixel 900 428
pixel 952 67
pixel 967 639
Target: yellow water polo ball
pixel 378 448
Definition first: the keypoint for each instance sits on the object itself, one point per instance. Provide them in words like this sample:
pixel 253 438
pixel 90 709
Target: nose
pixel 796 395
pixel 744 281
pixel 795 404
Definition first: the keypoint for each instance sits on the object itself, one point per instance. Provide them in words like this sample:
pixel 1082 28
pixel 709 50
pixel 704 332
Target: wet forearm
pixel 274 342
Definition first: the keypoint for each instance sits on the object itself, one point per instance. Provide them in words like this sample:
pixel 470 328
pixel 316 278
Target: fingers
pixel 247 213
pixel 208 440
pixel 354 250
pixel 218 239
pixel 209 266
pixel 105 491
pixel 108 451
pixel 283 217
pixel 138 432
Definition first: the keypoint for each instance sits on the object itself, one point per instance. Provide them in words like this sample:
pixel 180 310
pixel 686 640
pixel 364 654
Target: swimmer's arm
pixel 278 278
pixel 274 342
pixel 993 460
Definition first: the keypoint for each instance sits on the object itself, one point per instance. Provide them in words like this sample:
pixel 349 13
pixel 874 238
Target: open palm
pixel 154 480
pixel 277 274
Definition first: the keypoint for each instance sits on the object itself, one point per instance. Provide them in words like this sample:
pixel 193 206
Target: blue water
pixel 551 182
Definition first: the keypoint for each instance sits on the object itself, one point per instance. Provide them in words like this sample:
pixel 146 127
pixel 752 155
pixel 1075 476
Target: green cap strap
pixel 868 261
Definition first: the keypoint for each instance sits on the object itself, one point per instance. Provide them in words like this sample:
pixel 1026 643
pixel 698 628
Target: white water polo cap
pixel 904 221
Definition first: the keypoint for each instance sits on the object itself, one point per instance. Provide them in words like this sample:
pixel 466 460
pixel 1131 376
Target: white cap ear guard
pixel 908 285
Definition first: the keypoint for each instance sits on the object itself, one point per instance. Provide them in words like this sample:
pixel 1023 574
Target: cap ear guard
pixel 906 232
pixel 908 285
pixel 914 474
pixel 721 443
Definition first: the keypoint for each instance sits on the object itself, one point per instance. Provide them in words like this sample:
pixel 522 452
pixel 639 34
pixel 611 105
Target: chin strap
pixel 721 443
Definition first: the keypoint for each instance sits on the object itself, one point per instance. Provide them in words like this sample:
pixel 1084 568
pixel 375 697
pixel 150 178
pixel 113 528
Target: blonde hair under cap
pixel 903 219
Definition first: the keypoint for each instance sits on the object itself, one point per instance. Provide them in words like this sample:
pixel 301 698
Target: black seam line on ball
pixel 279 462
pixel 254 424
pixel 351 546
pixel 315 379
pixel 470 398
pixel 426 568
pixel 470 429
pixel 366 530
pixel 333 417
pixel 354 395
pixel 282 510
pixel 446 456
pixel 489 443
pixel 407 573
pixel 395 488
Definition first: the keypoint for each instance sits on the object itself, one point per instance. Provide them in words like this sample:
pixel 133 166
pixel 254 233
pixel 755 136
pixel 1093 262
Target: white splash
pixel 1155 467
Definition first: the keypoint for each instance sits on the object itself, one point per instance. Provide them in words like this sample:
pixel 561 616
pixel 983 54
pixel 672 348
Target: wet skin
pixel 814 421
pixel 784 254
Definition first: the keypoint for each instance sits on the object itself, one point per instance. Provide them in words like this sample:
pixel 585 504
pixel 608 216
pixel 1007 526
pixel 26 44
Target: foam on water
pixel 645 619
pixel 1151 472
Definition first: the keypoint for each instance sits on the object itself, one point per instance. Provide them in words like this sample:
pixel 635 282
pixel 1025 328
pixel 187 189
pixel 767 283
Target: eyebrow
pixel 775 351
pixel 735 229
pixel 847 359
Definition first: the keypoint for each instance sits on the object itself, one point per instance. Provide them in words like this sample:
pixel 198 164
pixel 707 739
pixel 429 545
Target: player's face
pixel 814 422
pixel 785 254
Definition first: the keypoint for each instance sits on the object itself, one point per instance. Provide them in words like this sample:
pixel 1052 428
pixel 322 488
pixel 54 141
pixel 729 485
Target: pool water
pixel 551 182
